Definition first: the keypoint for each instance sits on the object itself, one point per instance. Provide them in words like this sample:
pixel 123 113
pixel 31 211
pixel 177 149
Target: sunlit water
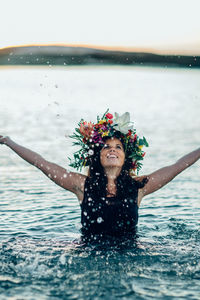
pixel 41 255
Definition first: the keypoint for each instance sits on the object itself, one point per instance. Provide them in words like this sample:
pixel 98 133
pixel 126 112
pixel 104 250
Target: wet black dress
pixel 108 216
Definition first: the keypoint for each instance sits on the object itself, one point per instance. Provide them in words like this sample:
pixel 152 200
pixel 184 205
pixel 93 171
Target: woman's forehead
pixel 113 140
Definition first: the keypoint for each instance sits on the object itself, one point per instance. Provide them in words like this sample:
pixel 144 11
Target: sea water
pixel 41 253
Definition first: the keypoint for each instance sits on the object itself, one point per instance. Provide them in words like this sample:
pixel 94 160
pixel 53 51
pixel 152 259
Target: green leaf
pixel 104 115
pixel 141 142
pixel 145 142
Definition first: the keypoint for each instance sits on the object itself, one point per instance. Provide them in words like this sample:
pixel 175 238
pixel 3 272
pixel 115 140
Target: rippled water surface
pixel 41 253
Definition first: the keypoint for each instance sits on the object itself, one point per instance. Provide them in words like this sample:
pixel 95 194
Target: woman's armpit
pixel 140 196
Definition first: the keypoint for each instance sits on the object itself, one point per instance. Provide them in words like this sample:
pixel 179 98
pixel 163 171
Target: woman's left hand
pixel 3 139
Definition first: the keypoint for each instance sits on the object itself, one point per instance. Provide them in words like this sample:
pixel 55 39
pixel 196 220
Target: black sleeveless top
pixel 110 215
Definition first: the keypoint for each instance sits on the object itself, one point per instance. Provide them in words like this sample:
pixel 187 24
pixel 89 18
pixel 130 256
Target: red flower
pixel 97 126
pixel 134 165
pixel 135 137
pixel 110 121
pixel 84 140
pixel 143 154
pixel 129 132
pixel 109 116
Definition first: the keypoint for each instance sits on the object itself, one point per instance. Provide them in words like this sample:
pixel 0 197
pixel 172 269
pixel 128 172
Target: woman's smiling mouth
pixel 112 156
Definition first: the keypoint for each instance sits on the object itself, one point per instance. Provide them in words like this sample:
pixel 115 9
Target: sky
pixel 172 25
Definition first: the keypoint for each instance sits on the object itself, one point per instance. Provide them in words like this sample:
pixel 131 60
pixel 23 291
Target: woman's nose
pixel 112 149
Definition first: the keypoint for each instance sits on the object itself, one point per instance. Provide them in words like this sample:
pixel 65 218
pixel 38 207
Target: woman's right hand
pixel 4 139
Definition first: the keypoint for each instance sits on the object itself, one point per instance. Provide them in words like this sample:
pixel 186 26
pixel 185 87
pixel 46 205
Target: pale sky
pixel 158 24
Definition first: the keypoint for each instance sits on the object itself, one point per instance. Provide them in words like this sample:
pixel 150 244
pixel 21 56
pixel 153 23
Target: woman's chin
pixel 113 164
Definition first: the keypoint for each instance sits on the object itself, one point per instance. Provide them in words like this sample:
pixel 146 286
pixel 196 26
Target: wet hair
pixel 127 186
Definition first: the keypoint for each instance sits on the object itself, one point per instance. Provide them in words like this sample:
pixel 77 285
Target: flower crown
pixel 89 135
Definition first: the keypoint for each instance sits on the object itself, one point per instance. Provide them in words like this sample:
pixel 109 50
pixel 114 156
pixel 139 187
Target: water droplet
pixel 99 220
pixel 62 259
pixel 90 152
pixel 70 260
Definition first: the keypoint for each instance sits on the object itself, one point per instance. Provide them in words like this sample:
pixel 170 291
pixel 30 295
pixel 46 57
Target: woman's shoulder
pixel 77 176
pixel 78 180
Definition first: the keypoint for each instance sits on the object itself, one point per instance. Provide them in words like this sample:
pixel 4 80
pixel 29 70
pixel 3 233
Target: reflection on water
pixel 42 254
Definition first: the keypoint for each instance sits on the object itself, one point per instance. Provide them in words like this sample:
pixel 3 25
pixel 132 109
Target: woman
pixel 110 194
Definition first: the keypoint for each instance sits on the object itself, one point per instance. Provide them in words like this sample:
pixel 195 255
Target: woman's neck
pixel 111 188
pixel 112 174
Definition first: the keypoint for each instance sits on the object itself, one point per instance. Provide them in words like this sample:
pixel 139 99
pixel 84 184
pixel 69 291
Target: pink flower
pixel 97 138
pixel 86 129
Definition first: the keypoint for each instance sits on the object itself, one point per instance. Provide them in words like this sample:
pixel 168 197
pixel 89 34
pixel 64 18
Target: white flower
pixel 122 123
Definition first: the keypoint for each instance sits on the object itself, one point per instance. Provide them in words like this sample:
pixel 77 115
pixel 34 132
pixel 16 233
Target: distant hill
pixel 69 55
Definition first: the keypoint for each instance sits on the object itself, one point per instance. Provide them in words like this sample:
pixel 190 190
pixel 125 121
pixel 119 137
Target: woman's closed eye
pixel 106 146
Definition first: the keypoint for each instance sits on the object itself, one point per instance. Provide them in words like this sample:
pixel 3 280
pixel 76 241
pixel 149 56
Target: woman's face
pixel 112 153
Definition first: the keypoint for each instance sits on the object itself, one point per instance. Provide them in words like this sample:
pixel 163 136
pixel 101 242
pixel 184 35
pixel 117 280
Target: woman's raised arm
pixel 161 177
pixel 71 181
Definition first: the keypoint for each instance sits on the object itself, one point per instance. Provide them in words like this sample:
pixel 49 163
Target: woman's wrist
pixel 6 140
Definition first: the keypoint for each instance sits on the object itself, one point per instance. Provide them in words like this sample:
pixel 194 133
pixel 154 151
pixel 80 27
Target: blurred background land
pixel 63 55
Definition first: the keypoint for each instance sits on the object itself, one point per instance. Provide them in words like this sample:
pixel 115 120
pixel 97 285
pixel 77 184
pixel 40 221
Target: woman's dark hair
pixel 127 186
